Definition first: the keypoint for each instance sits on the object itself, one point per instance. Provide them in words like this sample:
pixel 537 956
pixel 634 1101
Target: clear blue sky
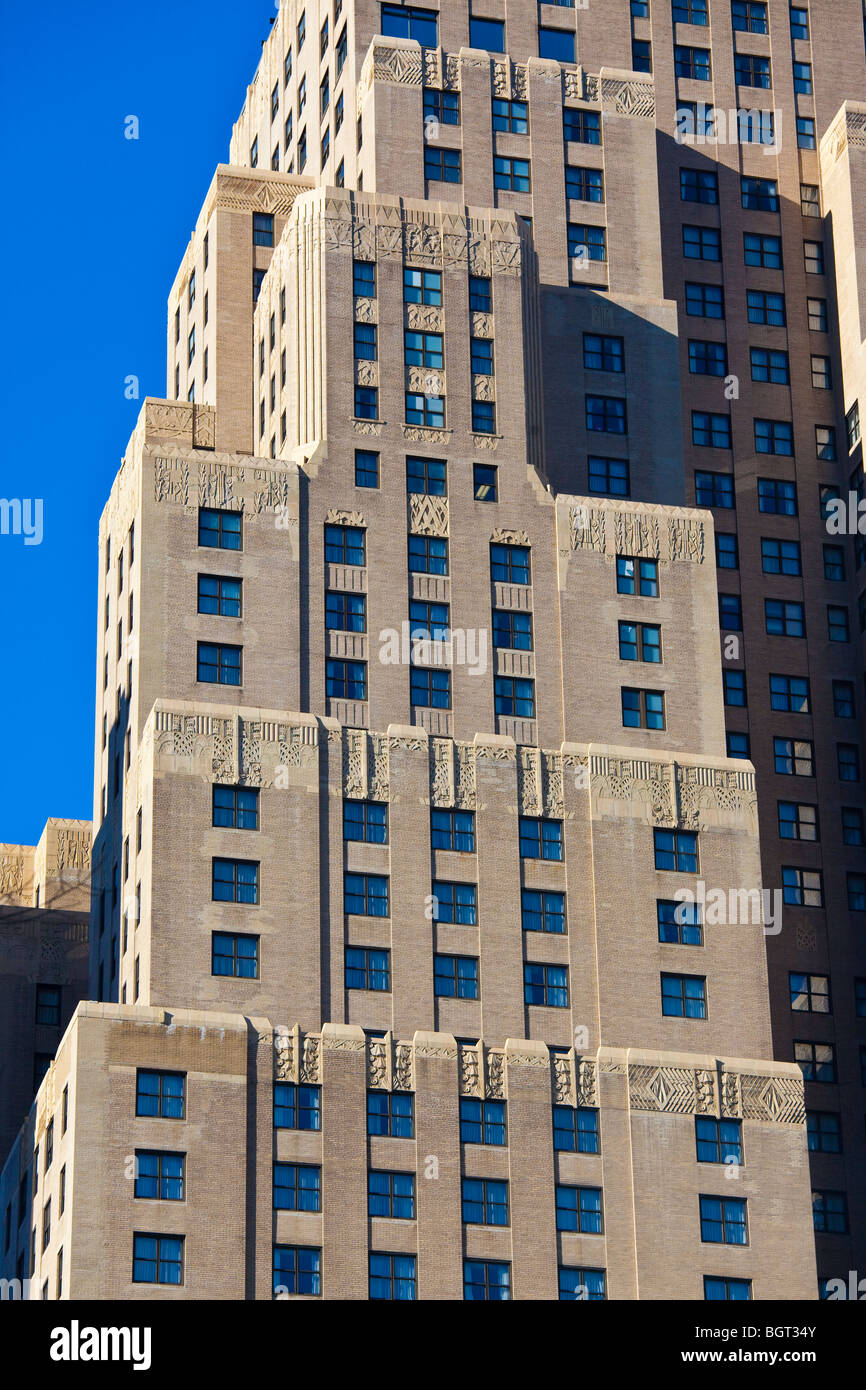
pixel 93 230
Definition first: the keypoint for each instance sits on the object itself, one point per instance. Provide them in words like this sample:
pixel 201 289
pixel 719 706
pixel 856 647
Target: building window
pixel 579 1209
pixel 793 757
pixel 822 378
pixel 676 850
pixel 453 830
pixel 802 887
pixel 702 243
pixel 160 1094
pixel 486 1281
pixel 723 1221
pixel 824 1132
pixel 581 127
pixel 455 977
pixel 825 442
pixel 391 1195
pixel 366 403
pixel 684 996
pixel 366 895
pixel 366 468
pixel 427 411
pixel 219 530
pixel 830 1212
pixel 484 482
pixel 235 881
pixel 692 62
pixel 752 70
pixel 392 1277
pixel 690 12
pixel 427 477
pixel 263 229
pixel 480 294
pixel 557 44
pixel 585 243
pixel 602 353
pixel 584 185
pixel 391 1114
pixel 368 969
pixel 48 1000
pixel 345 612
pixel 780 557
pixel 543 911
pixel 770 365
pixel 429 622
pixel 843 700
pixel 784 619
pixel 723 1289
pixel 488 34
pixel 219 595
pixel 218 664
pixel 809 994
pixel 365 342
pixel 727 551
pixel 514 697
pixel 817 1061
pixel 235 955
pixel 159 1176
pixel 737 745
pixel 640 642
pixel 345 545
pixel 509 564
pixel 814 256
pixel 297 1270
pixel 749 16
pixel 759 195
pixel 852 826
pixel 641 55
pixel 428 555
pixel 157 1259
pixel 714 490
pixel 441 107
pixel 545 985
pixel 422 286
pixel 511 174
pixel 366 821
pixel 442 165
pixel 799 23
pixel 540 838
pixel 698 186
pixel 774 437
pixel 297 1187
pixel 364 279
pixel 679 923
pixel 705 301
pixel 718 1141
pixel 581 1284
pixel 606 414
pixel 482 1121
pixel 797 821
pixel 707 359
pixel 837 623
pixel 575 1130
pixel 512 116
pixel 638 577
pixel 455 903
pixel 642 709
pixel 297 1107
pixel 236 808
pixel 485 1202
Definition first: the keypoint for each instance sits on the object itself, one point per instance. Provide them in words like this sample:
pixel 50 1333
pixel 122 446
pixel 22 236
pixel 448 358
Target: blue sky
pixel 94 229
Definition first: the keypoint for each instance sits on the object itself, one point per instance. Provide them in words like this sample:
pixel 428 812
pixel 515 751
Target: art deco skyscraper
pixel 398 1002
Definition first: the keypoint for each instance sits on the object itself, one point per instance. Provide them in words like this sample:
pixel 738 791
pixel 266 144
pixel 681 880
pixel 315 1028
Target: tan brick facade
pixel 600 323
